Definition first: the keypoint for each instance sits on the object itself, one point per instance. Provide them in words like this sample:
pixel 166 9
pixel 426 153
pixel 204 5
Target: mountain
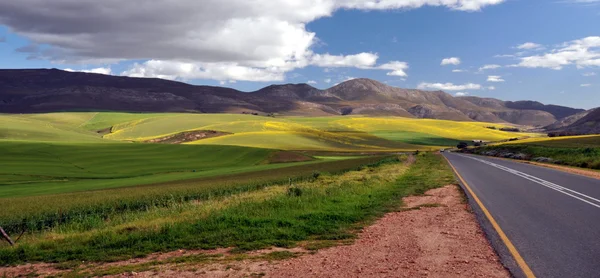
pixel 48 90
pixel 567 121
pixel 587 122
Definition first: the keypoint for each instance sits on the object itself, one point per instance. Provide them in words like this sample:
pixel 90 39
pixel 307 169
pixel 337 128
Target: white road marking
pixel 569 192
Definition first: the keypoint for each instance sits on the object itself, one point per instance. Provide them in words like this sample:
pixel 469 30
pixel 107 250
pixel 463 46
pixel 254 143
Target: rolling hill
pixel 51 90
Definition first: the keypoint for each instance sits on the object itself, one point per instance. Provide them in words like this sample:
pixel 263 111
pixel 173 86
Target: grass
pixel 578 151
pixel 45 211
pixel 37 168
pixel 584 141
pixel 347 133
pixel 329 208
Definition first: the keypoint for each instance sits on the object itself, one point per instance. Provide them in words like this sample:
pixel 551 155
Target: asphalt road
pixel 551 217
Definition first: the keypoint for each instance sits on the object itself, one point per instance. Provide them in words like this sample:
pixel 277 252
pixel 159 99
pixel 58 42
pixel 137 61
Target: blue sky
pixel 540 50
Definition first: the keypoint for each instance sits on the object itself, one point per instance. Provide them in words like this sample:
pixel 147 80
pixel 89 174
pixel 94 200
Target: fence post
pixel 5 236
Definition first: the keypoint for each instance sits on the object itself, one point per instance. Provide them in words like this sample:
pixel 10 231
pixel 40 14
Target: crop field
pixel 583 141
pixel 91 187
pixel 311 212
pixel 289 133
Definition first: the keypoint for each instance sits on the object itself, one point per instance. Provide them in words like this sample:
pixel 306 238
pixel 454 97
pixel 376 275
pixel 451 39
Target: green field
pixel 577 151
pixel 89 187
pixel 318 211
pixel 65 152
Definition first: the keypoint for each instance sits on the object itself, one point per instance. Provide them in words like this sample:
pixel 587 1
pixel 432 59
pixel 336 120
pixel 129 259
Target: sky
pixel 544 50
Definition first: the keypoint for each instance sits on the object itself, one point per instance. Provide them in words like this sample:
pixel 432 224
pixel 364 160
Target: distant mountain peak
pixel 48 90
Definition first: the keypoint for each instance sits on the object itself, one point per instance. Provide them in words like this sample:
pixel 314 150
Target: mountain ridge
pixel 49 90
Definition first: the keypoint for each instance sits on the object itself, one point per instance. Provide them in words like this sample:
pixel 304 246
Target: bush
pixel 294 192
pixel 462 145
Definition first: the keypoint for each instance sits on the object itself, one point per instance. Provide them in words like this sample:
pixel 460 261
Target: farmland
pixel 577 151
pixel 70 152
pixel 94 183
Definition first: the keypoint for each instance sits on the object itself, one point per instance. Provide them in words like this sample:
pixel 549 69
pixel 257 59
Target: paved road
pixel 551 217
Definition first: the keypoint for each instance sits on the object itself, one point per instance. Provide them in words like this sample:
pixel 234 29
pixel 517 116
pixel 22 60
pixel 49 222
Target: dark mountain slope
pixel 48 90
pixel 588 124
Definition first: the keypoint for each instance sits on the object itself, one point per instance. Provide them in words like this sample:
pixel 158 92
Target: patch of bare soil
pixel 287 156
pixel 434 241
pixel 188 136
pixel 104 131
pixel 434 236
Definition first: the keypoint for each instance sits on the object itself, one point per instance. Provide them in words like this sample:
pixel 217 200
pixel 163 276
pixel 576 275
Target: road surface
pixel 552 218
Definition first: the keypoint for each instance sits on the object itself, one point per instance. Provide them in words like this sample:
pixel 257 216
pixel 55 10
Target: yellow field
pixel 343 133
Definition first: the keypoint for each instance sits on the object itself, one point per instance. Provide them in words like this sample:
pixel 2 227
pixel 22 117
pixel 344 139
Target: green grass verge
pixel 328 208
pixel 572 156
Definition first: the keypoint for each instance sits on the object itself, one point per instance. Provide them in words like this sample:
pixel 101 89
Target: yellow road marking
pixel 511 248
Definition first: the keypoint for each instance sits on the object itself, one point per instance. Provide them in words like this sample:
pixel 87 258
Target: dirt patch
pixel 287 156
pixel 104 131
pixel 188 136
pixel 433 241
pixel 435 236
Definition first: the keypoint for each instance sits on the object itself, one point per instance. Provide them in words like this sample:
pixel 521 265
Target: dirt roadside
pixel 434 236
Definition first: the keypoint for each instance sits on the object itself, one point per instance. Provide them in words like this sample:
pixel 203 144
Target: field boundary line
pixel 88 120
pixel 509 245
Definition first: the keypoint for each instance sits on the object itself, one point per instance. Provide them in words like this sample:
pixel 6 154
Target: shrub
pixel 294 192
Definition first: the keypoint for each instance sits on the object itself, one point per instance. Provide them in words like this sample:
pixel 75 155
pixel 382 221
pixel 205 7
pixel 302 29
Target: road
pixel 552 218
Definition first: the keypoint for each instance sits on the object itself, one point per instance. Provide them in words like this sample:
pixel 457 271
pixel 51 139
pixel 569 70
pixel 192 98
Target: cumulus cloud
pixel 311 82
pixel 251 40
pixel 397 68
pixel 450 61
pixel 529 45
pixel 491 88
pixel 461 94
pixel 488 67
pixel 458 70
pixel 581 53
pixel 327 80
pixel 495 78
pixel 106 70
pixel 586 85
pixel 448 86
pixel 588 74
pixel 361 60
pixel 218 71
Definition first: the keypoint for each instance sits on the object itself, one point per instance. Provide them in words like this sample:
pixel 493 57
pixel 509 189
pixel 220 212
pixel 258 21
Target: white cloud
pixel 328 80
pixel 311 82
pixel 461 94
pixel 397 68
pixel 458 70
pixel 106 70
pixel 450 61
pixel 487 67
pixel 491 88
pixel 448 86
pixel 505 56
pixel 529 45
pixel 361 60
pixel 495 78
pixel 259 40
pixel 586 85
pixel 588 74
pixel 581 53
pixel 217 71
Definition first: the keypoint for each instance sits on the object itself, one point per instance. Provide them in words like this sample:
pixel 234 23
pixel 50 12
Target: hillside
pixel 50 90
pixel 588 124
